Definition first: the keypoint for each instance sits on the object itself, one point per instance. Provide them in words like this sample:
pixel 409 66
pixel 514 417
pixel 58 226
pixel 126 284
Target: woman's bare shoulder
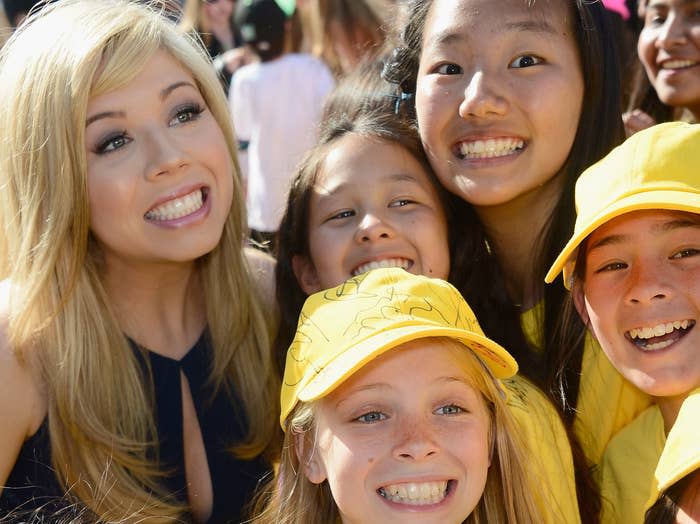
pixel 262 267
pixel 22 406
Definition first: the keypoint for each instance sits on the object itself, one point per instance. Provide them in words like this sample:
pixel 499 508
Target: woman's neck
pixel 514 230
pixel 160 306
pixel 670 407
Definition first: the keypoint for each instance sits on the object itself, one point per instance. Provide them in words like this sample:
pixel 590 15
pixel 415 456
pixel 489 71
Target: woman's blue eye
pixel 187 113
pixel 112 143
pixel 525 61
pixel 372 416
pixel 449 69
pixel 450 409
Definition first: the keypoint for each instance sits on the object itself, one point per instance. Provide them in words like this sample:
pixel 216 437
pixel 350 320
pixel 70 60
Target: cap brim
pixel 497 359
pixel 672 200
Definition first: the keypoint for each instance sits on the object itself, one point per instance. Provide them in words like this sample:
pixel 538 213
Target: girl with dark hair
pixel 513 99
pixel 668 85
pixel 633 265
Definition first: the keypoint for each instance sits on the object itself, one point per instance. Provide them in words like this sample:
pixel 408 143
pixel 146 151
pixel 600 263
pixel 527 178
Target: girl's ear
pixel 580 300
pixel 313 467
pixel 306 274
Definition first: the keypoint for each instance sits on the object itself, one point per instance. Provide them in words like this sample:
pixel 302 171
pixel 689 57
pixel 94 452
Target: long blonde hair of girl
pixel 509 496
pixel 100 404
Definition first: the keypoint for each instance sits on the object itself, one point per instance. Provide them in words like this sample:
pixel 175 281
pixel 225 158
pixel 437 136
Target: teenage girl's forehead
pixel 452 19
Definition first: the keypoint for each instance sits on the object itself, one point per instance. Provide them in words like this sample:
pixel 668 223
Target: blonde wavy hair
pixel 508 498
pixel 100 405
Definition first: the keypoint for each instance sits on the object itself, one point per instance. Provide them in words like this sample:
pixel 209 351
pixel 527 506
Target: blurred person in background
pixel 5 28
pixel 17 10
pixel 668 86
pixel 276 107
pixel 345 32
pixel 213 21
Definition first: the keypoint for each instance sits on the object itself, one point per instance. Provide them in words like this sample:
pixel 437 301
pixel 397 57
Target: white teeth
pixel 678 64
pixel 415 494
pixel 178 207
pixel 387 262
pixel 658 331
pixel 657 345
pixel 493 147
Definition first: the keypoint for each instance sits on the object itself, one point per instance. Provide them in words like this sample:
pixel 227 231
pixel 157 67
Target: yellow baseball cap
pixel 658 168
pixel 343 328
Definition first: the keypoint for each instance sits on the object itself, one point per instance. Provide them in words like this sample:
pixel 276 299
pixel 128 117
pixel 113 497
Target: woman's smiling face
pixel 158 168
pixel 499 95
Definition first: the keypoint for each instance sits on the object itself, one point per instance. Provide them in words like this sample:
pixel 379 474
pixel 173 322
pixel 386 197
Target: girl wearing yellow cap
pixel 394 412
pixel 633 264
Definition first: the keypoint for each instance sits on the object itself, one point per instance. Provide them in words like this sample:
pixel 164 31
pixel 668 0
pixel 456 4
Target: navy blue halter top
pixel 32 487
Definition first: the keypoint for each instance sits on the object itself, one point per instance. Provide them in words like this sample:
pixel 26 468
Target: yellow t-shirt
pixel 606 401
pixel 641 461
pixel 549 453
pixel 627 471
pixel 681 453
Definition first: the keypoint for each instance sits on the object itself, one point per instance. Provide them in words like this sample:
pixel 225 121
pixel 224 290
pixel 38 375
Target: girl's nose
pixel 646 285
pixel 482 97
pixel 416 441
pixel 373 228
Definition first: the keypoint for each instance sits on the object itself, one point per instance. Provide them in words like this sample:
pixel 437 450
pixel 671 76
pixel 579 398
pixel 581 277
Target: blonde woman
pixel 135 376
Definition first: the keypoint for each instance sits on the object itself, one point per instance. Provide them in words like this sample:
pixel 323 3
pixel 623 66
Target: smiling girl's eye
pixel 346 213
pixel 685 253
pixel 450 409
pixel 613 266
pixel 654 18
pixel 400 202
pixel 112 142
pixel 525 61
pixel 371 417
pixel 187 113
pixel 448 69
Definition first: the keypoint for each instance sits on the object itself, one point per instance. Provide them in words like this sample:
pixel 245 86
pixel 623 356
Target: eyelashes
pixel 116 140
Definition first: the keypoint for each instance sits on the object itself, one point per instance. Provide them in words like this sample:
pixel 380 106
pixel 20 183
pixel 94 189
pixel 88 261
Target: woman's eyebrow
pixel 165 92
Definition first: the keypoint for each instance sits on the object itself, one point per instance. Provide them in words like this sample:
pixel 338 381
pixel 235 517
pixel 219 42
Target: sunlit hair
pixel 510 495
pixel 100 398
